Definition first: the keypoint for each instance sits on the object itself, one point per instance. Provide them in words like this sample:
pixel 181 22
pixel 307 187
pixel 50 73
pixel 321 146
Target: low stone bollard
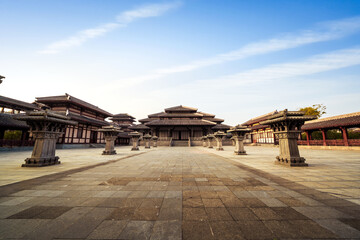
pixel 155 138
pixel 135 136
pixel 219 138
pixel 46 127
pixel 110 134
pixel 238 135
pixel 147 138
pixel 210 138
pixel 204 139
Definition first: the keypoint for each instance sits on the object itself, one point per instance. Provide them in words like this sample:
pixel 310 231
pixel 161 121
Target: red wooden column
pixel 308 136
pixel 324 136
pixel 345 135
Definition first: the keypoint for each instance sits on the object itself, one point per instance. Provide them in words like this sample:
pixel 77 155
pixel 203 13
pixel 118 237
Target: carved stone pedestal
pixel 204 139
pixel 135 136
pixel 286 126
pixel 46 127
pixel 219 137
pixel 147 138
pixel 210 138
pixel 155 138
pixel 110 134
pixel 238 135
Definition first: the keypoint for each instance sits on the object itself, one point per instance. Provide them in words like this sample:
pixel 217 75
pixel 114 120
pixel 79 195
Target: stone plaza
pixel 181 193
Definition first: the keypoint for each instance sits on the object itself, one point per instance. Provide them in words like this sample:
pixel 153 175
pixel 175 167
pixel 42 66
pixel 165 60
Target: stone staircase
pixel 180 143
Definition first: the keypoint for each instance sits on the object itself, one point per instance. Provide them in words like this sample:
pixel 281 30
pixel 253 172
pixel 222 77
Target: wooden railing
pixel 15 143
pixel 330 142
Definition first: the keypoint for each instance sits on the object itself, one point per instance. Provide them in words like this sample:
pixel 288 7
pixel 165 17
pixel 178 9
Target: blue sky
pixel 236 59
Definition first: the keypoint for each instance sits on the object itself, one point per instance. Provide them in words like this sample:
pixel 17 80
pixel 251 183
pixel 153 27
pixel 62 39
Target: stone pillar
pixel 238 134
pixel 210 137
pixel 147 138
pixel 219 137
pixel 286 126
pixel 135 136
pixel 204 139
pixel 324 136
pixel 110 134
pixel 46 127
pixel 345 136
pixel 155 138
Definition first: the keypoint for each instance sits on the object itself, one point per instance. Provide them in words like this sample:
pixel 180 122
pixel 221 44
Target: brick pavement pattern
pixel 172 193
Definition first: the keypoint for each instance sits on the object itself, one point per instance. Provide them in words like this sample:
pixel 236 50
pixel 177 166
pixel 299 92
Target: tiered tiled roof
pixel 183 116
pixel 259 118
pixel 8 122
pixel 17 104
pixel 73 100
pixel 345 120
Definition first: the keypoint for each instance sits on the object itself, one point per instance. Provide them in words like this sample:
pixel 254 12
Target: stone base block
pixel 147 147
pixel 41 162
pixel 240 152
pixel 109 152
pixel 210 147
pixel 135 149
pixel 292 162
pixel 220 149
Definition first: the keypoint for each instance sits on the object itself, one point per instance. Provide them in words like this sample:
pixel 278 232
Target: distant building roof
pixel 122 115
pixel 17 104
pixel 87 120
pixel 76 101
pixel 8 122
pixel 180 108
pixel 180 122
pixel 139 127
pixel 345 120
pixel 221 127
pixel 259 118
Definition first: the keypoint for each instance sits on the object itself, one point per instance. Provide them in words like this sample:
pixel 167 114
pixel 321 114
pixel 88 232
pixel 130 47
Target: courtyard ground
pixel 181 193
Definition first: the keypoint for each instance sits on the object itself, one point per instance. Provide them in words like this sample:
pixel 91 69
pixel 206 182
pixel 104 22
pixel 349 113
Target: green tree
pixel 317 110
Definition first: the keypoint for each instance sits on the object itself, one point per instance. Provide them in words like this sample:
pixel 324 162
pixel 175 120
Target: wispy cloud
pixel 316 64
pixel 122 20
pixel 325 31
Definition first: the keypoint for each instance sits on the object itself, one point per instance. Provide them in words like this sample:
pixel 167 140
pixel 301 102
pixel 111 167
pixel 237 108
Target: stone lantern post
pixel 238 135
pixel 147 138
pixel 110 134
pixel 204 139
pixel 135 136
pixel 210 137
pixel 155 138
pixel 286 126
pixel 46 127
pixel 219 138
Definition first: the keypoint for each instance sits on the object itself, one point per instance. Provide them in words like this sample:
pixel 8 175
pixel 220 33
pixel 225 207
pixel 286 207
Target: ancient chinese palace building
pixel 89 117
pixel 124 121
pixel 180 125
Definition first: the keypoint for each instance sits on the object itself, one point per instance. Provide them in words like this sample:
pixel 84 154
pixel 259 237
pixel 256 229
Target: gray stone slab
pixel 108 229
pixel 320 212
pixel 85 225
pixel 137 230
pixel 339 228
pixel 166 230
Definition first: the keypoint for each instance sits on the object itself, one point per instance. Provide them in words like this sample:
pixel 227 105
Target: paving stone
pixel 85 225
pixel 191 194
pixel 217 214
pixel 266 214
pixel 167 230
pixel 146 214
pixel 193 202
pixel 197 230
pixel 197 214
pixel 18 228
pixel 255 230
pixel 125 213
pixel 291 202
pixel 173 194
pixel 15 201
pixel 137 230
pixel 212 203
pixel 288 213
pixel 55 227
pixel 339 228
pixel 156 194
pixel 108 229
pixel 226 230
pixel 311 229
pixel 272 202
pixel 170 213
pixel 242 214
pixel 253 202
pixel 284 229
pixel 320 212
pixel 232 202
